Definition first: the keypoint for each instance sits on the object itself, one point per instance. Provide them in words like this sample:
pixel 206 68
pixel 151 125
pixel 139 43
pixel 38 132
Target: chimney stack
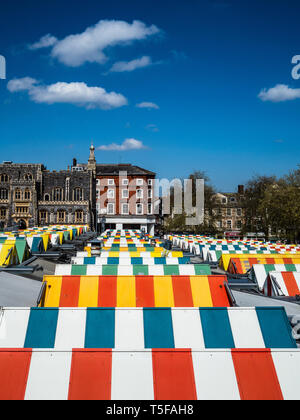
pixel 74 162
pixel 241 189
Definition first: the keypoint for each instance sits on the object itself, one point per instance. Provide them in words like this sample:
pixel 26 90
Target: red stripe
pixel 173 375
pixel 288 260
pixel 107 293
pixel 291 284
pixel 14 369
pixel 69 295
pixel 270 261
pixel 145 291
pixel 253 261
pixel 90 377
pixel 182 291
pixel 218 291
pixel 256 375
pixel 231 268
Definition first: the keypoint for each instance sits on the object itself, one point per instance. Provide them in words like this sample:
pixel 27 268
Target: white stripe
pixel 49 376
pixel 93 270
pixel 156 270
pixel 63 269
pixel 287 365
pixel 280 281
pixel 132 376
pixel 129 329
pixel 245 328
pixel 260 275
pixel 13 328
pixel 125 270
pixel 70 332
pixel 186 270
pixel 187 328
pixel 215 376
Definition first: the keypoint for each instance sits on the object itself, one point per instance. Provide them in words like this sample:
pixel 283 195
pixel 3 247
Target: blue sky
pixel 188 93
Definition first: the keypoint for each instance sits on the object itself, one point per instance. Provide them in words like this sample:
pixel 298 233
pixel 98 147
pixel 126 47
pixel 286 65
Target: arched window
pixel 3 194
pixel 18 194
pixel 47 197
pixel 61 216
pixel 4 178
pixel 78 194
pixel 27 195
pixel 3 213
pixel 78 216
pixel 44 217
pixel 58 194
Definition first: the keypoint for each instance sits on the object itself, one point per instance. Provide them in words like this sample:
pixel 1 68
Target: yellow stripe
pixel 126 295
pixel 201 291
pixel 88 291
pixel 163 291
pixel 53 291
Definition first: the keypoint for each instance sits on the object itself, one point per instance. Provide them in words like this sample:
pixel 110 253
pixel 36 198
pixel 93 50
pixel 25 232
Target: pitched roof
pixel 114 169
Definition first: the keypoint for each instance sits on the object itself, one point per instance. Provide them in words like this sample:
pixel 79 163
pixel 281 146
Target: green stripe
pixel 78 270
pixel 139 269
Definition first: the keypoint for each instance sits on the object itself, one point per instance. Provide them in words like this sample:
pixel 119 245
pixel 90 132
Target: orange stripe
pixel 144 291
pixel 90 377
pixel 218 291
pixel 182 291
pixel 14 368
pixel 290 283
pixel 69 295
pixel 256 375
pixel 173 375
pixel 107 291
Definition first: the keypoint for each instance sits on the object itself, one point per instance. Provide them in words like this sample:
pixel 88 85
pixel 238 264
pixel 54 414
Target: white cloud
pixel 152 127
pixel 17 85
pixel 279 93
pixel 148 105
pixel 89 46
pixel 122 66
pixel 76 93
pixel 128 144
pixel 45 42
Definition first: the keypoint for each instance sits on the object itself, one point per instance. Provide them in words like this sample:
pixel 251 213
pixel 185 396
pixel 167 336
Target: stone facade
pixel 30 196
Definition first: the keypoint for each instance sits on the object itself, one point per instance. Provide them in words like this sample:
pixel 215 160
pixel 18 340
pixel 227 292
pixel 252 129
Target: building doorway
pixel 22 224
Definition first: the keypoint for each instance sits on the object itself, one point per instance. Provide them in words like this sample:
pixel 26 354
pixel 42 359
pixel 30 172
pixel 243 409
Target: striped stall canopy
pixel 259 272
pixel 83 374
pixel 124 260
pixel 285 283
pixel 132 270
pixel 241 265
pixel 141 328
pixel 146 254
pixel 135 291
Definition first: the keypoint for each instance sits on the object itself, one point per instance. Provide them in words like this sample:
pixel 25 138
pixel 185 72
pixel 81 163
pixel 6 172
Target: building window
pixel 239 212
pixel 139 208
pixel 150 181
pixel 61 216
pixel 3 194
pixel 239 224
pixel 149 193
pixel 139 193
pixel 47 197
pixel 229 212
pixel 43 216
pixel 4 178
pixel 224 200
pixel 149 208
pixel 78 194
pixel 232 199
pixel 78 216
pixel 219 224
pixel 229 224
pixel 18 194
pixel 21 210
pixel 125 193
pixel 110 193
pixel 3 213
pixel 110 208
pixel 139 181
pixel 125 208
pixel 57 194
pixel 110 182
pixel 97 194
pixel 124 182
pixel 27 195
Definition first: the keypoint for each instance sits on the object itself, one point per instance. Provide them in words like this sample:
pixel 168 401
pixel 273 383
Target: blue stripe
pixel 275 328
pixel 41 328
pixel 216 328
pixel 100 328
pixel 158 328
pixel 112 260
pixel 89 260
pixel 137 260
pixel 159 260
pixel 183 260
